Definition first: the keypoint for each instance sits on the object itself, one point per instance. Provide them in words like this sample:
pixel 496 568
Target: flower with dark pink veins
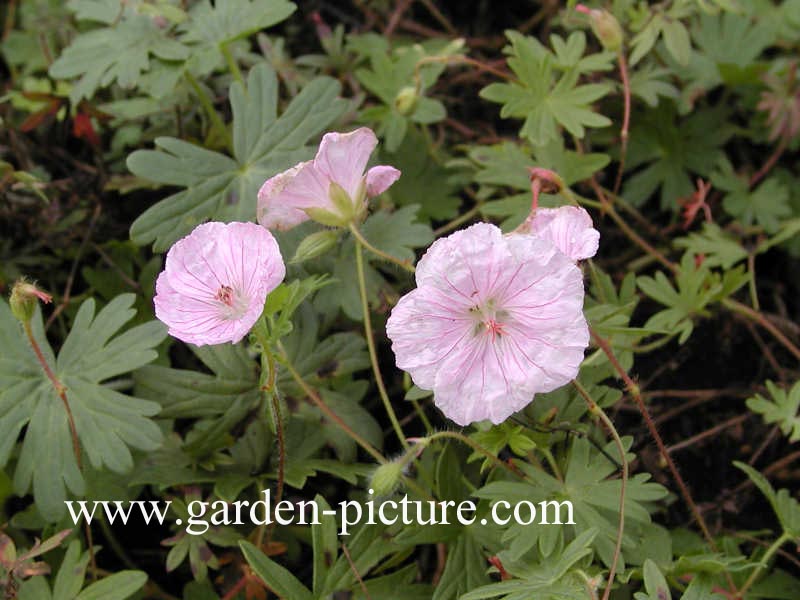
pixel 216 280
pixel 331 189
pixel 494 320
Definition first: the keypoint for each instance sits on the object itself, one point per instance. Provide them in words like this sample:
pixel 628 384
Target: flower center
pixel 489 319
pixel 234 305
pixel 225 295
pixel 494 328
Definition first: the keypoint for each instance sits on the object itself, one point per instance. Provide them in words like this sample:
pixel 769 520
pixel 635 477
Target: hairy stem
pixel 751 266
pixel 633 390
pixel 327 411
pixel 360 239
pixel 454 435
pixel 61 390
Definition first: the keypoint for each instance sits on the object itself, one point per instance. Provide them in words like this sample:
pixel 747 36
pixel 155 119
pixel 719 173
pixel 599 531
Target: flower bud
pixel 315 245
pixel 406 100
pixel 23 300
pixel 550 182
pixel 605 26
pixel 385 478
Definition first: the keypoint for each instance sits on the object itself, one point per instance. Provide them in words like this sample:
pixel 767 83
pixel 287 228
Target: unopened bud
pixel 23 300
pixel 386 477
pixel 550 182
pixel 315 245
pixel 406 100
pixel 605 26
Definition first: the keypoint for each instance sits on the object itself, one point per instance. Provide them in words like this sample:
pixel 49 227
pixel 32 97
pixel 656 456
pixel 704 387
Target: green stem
pixel 208 106
pixel 233 67
pixel 377 252
pixel 655 344
pixel 454 435
pixel 459 220
pixel 551 460
pixel 268 388
pixel 422 416
pixel 595 409
pixel 751 266
pixel 373 355
pixel 785 537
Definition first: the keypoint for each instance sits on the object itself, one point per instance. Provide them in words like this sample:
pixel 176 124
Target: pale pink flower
pixel 286 199
pixel 216 280
pixel 569 228
pixel 494 320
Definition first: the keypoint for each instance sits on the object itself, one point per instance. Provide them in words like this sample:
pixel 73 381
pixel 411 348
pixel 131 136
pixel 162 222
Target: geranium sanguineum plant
pixel 216 280
pixel 494 320
pixel 332 188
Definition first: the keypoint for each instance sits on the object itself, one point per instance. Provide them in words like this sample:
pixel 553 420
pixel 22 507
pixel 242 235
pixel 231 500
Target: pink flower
pixel 313 188
pixel 494 320
pixel 213 287
pixel 568 227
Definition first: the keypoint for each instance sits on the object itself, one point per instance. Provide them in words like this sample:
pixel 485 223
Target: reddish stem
pixel 626 119
pixel 634 392
pixel 767 167
pixel 238 587
pixel 60 390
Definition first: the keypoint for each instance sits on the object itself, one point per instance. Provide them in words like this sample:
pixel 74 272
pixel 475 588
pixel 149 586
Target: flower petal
pixel 568 227
pixel 283 198
pixel 466 264
pixel 481 382
pixel 380 178
pixel 424 328
pixel 342 157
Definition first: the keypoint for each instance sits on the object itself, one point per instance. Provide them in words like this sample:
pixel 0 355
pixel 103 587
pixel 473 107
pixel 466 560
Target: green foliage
pixel 767 204
pixel 669 154
pixel 594 497
pixel 399 77
pixel 397 233
pixel 544 99
pixel 786 508
pixel 210 28
pixel 554 580
pixel 108 423
pixel 505 166
pixel 697 287
pixel 718 248
pixel 781 409
pixel 166 114
pixel 224 188
pixel 120 53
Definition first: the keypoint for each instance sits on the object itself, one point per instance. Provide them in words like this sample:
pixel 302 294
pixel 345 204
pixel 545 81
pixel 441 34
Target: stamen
pixel 494 328
pixel 225 295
